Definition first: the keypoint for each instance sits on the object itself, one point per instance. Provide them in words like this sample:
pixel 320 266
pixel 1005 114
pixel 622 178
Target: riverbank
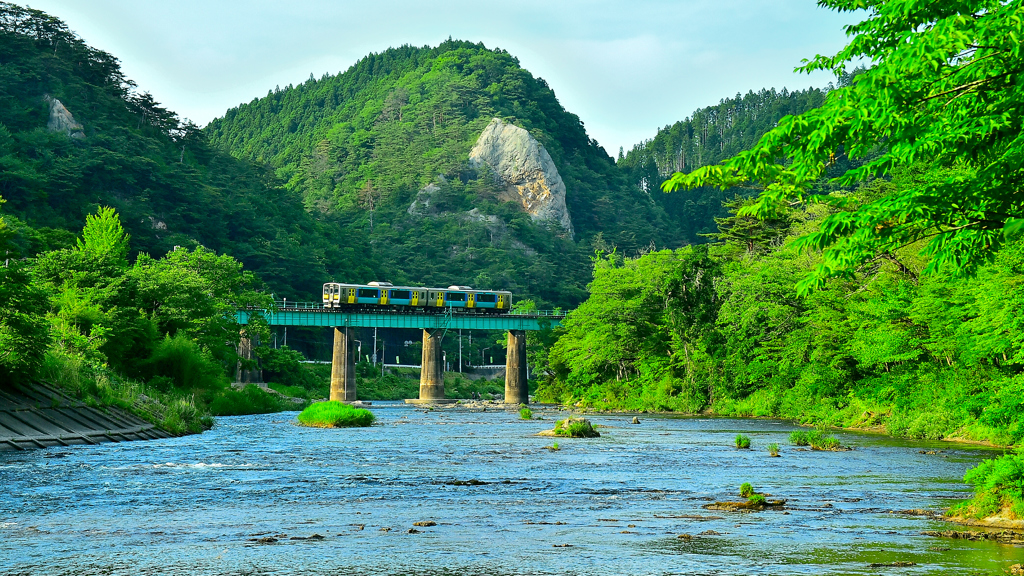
pixel 39 416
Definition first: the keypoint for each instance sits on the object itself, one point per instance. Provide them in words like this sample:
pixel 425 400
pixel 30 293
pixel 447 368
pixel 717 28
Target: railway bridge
pixel 434 323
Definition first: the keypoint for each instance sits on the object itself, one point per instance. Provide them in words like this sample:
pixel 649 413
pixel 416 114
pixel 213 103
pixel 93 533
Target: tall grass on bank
pixel 173 411
pixel 249 400
pixel 334 414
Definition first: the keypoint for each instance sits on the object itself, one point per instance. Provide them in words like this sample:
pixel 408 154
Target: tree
pixel 104 236
pixel 945 90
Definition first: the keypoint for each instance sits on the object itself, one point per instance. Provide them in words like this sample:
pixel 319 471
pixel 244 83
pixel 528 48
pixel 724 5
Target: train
pixel 384 294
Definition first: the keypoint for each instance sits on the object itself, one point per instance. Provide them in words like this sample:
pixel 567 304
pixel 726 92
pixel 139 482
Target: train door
pixel 502 302
pixel 470 300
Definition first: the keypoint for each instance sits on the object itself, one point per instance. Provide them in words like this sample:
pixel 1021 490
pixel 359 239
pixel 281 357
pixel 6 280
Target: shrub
pixel 756 499
pixel 998 486
pixel 773 449
pixel 742 441
pixel 334 414
pixel 746 490
pixel 575 428
pixel 525 413
pixel 799 437
pixel 249 400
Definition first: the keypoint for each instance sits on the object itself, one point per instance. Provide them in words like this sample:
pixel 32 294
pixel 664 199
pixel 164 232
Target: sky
pixel 625 68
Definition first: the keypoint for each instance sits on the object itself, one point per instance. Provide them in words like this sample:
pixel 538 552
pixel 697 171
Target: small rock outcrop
pixel 526 169
pixel 61 119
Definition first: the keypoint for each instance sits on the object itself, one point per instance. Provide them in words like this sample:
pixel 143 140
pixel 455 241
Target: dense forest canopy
pixel 707 137
pixel 170 187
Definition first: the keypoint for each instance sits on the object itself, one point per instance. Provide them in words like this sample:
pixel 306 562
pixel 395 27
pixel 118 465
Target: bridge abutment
pixel 517 390
pixel 343 370
pixel 432 367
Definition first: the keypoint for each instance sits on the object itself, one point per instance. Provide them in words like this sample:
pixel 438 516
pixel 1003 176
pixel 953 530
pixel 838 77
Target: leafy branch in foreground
pixel 945 90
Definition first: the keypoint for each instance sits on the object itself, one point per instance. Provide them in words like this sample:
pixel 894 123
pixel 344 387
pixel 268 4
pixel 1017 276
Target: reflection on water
pixel 612 505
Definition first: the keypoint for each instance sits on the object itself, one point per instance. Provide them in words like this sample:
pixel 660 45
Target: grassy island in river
pixel 334 414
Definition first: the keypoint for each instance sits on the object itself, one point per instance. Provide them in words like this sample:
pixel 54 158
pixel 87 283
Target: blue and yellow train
pixel 376 294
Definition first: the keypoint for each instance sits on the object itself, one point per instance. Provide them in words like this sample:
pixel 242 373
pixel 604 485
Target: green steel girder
pixel 330 318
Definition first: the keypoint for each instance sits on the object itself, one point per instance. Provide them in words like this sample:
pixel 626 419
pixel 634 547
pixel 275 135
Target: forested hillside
pixel 76 134
pixel 707 137
pixel 360 146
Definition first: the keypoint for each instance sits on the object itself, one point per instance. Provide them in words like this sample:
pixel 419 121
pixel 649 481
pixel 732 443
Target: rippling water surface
pixel 612 505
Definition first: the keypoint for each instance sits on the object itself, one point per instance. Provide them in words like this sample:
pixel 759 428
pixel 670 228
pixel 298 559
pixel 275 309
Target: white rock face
pixel 526 170
pixel 61 119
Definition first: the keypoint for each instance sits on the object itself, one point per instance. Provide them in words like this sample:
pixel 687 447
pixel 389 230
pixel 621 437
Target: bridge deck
pixel 309 314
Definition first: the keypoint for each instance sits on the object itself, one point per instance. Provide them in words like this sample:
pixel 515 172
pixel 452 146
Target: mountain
pixel 706 137
pixel 75 134
pixel 452 164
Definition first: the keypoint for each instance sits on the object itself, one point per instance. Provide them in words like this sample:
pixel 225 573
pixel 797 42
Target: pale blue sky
pixel 626 68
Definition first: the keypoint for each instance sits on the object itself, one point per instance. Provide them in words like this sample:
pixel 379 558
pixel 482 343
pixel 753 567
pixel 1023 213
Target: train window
pixel 457 296
pixel 368 293
pixel 486 298
pixel 401 294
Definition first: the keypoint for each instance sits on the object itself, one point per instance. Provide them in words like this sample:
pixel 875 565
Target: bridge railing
pixel 285 305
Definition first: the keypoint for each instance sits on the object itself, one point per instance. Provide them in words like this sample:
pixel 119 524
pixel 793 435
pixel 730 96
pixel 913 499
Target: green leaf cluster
pixel 943 90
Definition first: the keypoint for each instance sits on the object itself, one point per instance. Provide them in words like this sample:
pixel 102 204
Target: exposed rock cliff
pixel 526 169
pixel 61 119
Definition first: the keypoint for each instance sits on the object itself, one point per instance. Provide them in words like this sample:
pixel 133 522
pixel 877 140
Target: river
pixel 610 505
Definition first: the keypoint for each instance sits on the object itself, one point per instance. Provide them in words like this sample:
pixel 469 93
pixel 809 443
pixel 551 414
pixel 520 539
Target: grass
pixel 525 413
pixel 818 439
pixel 334 414
pixel 756 499
pixel 555 446
pixel 97 386
pixel 742 441
pixel 293 391
pixel 773 450
pixel 575 428
pixel 249 400
pixel 746 489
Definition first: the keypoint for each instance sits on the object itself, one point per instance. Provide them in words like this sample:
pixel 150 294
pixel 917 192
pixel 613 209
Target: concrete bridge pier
pixel 431 367
pixel 247 370
pixel 343 369
pixel 517 390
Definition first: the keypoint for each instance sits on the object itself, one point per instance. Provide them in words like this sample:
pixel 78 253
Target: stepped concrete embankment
pixel 39 416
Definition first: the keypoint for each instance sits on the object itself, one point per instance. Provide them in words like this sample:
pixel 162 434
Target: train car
pixel 337 295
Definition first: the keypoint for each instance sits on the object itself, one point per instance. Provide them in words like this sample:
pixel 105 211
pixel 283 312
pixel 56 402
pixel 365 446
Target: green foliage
pixel 525 413
pixel 334 414
pixel 249 400
pixel 24 332
pixel 773 449
pixel 575 428
pixel 742 441
pixel 554 446
pixel 746 490
pixel 640 341
pixel 943 91
pixel 104 236
pixel 756 500
pixel 998 489
pixel 185 363
pixel 799 437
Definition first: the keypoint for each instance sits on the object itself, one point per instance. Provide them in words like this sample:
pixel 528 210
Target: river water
pixel 611 505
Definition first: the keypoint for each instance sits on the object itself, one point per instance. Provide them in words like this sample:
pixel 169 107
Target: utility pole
pixel 460 351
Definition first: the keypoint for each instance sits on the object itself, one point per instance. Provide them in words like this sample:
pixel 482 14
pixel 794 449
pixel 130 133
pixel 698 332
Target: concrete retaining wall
pixel 39 416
